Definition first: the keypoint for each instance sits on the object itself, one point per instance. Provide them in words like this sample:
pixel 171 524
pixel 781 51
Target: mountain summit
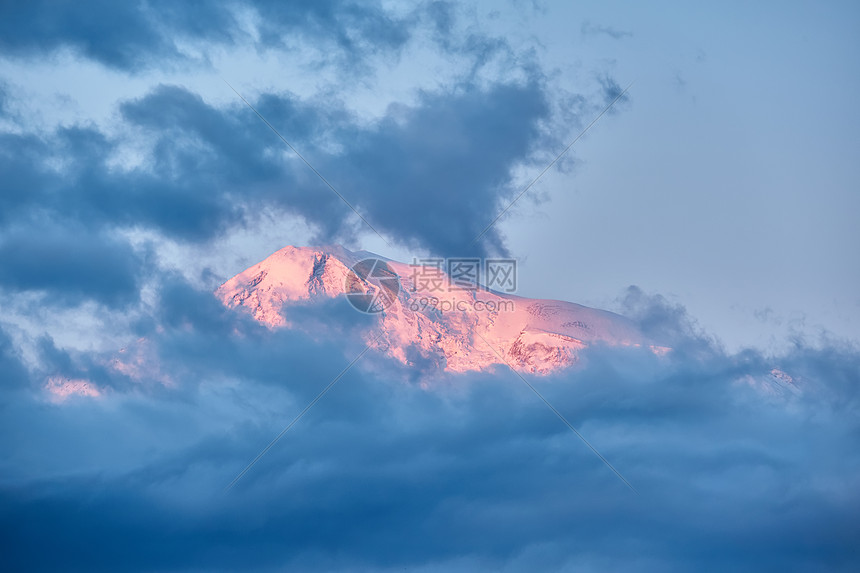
pixel 422 318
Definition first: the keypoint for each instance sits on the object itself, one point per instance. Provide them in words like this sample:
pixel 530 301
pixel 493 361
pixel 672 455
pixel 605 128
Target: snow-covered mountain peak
pixel 460 330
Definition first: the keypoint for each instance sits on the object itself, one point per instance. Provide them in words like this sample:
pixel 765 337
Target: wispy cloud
pixel 589 29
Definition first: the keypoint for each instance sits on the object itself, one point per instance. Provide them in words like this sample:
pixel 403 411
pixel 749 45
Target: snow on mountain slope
pixel 459 330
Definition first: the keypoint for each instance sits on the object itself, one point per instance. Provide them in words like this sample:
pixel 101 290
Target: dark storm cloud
pixel 69 263
pixel 432 175
pixel 14 374
pixel 21 182
pixel 207 167
pixel 189 335
pixel 4 99
pixel 435 175
pixel 134 35
pixel 193 333
pixel 733 471
pixel 224 162
pixel 115 33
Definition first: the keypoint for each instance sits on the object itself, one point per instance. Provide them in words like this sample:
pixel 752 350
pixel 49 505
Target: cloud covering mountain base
pixel 735 469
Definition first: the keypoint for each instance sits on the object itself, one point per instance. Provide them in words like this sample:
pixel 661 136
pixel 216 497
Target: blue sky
pixel 715 202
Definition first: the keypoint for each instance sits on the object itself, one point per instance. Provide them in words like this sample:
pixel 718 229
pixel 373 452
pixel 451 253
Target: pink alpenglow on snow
pixel 452 328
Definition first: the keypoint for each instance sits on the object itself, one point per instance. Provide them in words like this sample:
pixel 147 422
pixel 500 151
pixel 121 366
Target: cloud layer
pixel 735 468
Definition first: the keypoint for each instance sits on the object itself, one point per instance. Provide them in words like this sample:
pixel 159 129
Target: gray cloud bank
pixel 736 470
